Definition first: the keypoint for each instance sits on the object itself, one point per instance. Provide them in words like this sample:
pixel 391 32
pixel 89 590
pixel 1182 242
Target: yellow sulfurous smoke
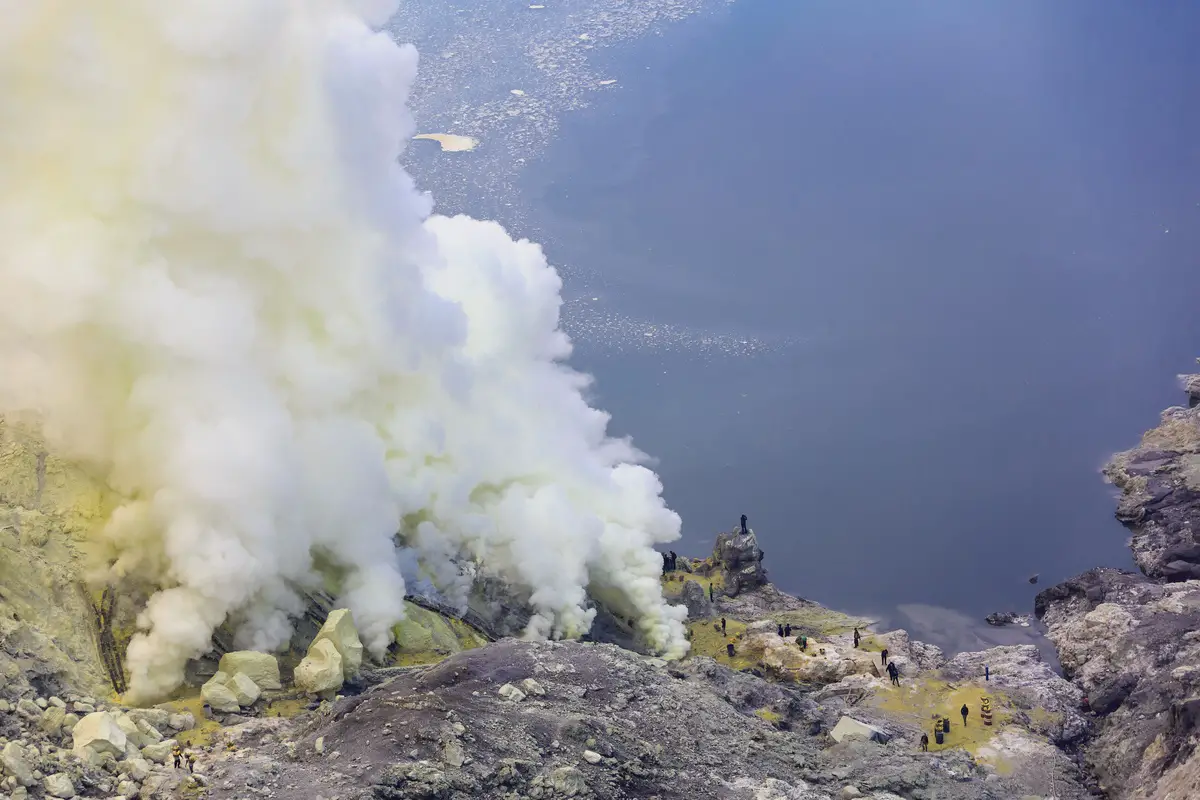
pixel 225 298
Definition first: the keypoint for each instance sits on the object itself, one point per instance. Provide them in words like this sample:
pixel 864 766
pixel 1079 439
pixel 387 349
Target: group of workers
pixel 181 759
pixel 941 726
pixel 892 670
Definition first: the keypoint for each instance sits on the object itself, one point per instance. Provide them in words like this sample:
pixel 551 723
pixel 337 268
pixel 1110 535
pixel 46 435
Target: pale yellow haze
pixel 230 309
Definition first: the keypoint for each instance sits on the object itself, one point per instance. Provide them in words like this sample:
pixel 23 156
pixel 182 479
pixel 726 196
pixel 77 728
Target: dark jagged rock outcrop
pixel 1160 493
pixel 697 602
pixel 1130 641
pixel 1133 646
pixel 740 559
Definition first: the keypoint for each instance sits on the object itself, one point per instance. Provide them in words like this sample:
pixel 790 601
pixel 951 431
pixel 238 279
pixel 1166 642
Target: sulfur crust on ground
pixel 201 735
pixel 920 700
pixel 708 641
pixel 673 583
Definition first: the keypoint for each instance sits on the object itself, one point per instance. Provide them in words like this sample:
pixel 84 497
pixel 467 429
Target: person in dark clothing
pixel 780 631
pixel 729 649
pixel 883 656
pixel 744 529
pixel 666 563
pixel 856 637
pixel 894 673
pixel 964 711
pixel 674 561
pixel 710 593
pixel 722 626
pixel 787 631
pixel 925 742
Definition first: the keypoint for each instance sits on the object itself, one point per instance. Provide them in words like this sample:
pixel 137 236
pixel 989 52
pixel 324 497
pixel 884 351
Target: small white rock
pixel 160 752
pixel 510 692
pixel 319 745
pixel 592 757
pixel 59 785
pixel 184 721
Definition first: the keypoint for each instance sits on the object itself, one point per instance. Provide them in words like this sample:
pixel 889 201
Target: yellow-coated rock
pixel 245 690
pixel 321 669
pixel 218 695
pixel 262 668
pixel 425 636
pixel 339 630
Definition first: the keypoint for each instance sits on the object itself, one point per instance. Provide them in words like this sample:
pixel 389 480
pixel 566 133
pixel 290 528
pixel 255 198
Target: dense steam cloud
pixel 223 295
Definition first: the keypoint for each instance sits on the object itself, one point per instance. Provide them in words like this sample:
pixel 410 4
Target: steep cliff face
pixel 1160 492
pixel 1133 647
pixel 1131 642
pixel 48 615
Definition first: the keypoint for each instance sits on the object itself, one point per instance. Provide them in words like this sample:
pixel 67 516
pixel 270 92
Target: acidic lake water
pixel 905 279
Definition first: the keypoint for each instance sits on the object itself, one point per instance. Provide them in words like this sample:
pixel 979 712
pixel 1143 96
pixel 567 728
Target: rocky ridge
pixel 517 719
pixel 1160 492
pixel 1130 641
pixel 574 719
pixel 749 715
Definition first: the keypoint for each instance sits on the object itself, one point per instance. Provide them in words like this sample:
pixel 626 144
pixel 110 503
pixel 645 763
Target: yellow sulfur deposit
pixel 425 637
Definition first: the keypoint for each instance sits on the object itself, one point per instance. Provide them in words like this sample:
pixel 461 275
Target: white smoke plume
pixel 224 295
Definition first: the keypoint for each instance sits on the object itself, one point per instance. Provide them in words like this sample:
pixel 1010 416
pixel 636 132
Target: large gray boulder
pixel 98 733
pixel 740 560
pixel 696 600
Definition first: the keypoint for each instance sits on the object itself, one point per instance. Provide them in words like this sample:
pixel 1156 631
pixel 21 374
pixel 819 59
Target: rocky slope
pixel 599 721
pixel 516 719
pixel 1131 641
pixel 750 714
pixel 575 719
pixel 1160 492
pixel 1133 647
